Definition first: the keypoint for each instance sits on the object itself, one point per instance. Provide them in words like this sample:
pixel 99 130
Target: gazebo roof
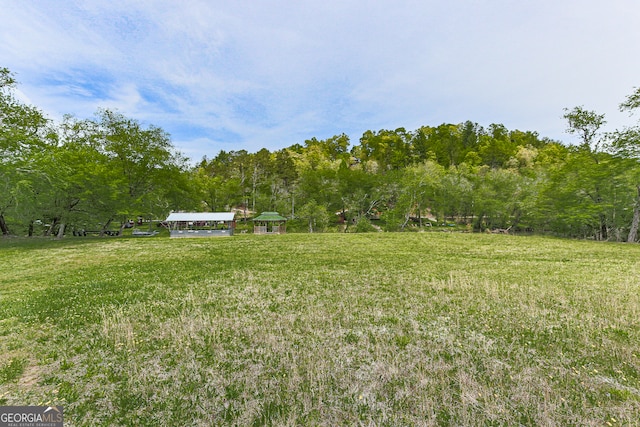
pixel 269 216
pixel 200 216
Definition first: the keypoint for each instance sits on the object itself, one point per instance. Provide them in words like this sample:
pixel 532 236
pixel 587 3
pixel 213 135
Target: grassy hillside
pixel 336 329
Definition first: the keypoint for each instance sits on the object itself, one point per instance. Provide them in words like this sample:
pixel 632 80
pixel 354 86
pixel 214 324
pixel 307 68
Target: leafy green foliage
pixel 98 174
pixel 82 173
pixel 586 124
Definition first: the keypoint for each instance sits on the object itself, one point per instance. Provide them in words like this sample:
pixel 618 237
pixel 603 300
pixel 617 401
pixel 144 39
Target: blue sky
pixel 229 75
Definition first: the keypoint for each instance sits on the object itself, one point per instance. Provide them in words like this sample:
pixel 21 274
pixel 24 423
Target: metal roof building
pixel 201 224
pixel 200 216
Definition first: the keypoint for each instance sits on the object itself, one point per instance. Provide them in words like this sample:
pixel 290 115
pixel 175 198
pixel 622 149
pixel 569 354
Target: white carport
pixel 201 224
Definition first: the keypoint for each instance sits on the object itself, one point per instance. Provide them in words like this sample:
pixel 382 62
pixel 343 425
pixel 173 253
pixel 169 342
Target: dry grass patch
pixel 407 329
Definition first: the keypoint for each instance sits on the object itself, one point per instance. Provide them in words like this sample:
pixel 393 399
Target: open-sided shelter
pixel 201 224
pixel 269 223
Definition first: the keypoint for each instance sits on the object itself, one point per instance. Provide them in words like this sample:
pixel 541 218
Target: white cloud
pixel 271 74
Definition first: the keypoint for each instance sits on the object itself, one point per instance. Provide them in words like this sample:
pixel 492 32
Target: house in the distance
pixel 269 223
pixel 201 224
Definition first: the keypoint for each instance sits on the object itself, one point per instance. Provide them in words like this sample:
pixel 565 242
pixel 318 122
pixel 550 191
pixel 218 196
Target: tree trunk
pixel 31 228
pixel 52 227
pixel 407 217
pixel 254 188
pixel 61 231
pixel 477 226
pixel 633 233
pixel 604 235
pixel 3 226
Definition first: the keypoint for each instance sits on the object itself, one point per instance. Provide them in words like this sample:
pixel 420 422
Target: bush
pixel 363 225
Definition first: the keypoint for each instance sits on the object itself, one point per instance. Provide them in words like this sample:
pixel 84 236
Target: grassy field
pixel 334 329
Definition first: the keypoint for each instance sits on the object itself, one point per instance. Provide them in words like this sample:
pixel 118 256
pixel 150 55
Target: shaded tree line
pixel 101 172
pixel 91 174
pixel 454 174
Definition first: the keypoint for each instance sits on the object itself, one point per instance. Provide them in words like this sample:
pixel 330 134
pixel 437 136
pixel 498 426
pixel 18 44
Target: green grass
pixel 334 329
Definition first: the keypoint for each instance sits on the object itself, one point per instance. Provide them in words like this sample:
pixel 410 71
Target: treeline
pixel 101 173
pixel 82 174
pixel 463 175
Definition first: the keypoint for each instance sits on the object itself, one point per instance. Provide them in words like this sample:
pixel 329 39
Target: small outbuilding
pixel 269 223
pixel 201 224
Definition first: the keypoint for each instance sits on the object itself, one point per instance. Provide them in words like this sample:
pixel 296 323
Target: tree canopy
pixel 102 172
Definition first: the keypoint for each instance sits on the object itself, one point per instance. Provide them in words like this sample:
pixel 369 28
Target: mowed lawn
pixel 323 329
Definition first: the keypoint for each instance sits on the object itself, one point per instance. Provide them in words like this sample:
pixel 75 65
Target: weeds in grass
pixel 12 370
pixel 418 329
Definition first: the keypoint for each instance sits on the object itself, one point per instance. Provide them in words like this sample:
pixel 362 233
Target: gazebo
pixel 269 223
pixel 201 224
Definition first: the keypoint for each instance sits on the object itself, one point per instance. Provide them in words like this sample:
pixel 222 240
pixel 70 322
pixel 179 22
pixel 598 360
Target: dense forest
pixel 101 173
